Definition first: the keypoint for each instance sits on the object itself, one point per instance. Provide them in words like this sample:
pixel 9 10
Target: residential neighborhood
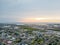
pixel 13 34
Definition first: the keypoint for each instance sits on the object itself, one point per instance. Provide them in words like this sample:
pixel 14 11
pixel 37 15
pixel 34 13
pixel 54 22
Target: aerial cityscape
pixel 29 22
pixel 29 34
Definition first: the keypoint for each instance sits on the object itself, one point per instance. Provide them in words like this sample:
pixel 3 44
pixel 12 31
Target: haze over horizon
pixel 30 11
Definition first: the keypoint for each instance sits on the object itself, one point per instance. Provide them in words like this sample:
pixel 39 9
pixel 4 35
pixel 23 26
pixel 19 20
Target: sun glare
pixel 40 18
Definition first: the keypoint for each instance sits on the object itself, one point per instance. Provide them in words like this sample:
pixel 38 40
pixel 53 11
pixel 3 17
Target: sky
pixel 29 10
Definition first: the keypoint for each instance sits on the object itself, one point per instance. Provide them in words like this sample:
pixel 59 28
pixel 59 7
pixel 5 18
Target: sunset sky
pixel 29 10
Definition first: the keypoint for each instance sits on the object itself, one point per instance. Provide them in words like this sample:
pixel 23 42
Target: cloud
pixel 17 9
pixel 15 1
